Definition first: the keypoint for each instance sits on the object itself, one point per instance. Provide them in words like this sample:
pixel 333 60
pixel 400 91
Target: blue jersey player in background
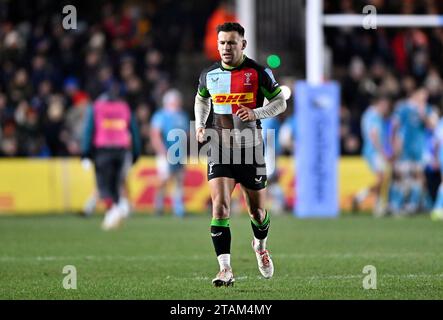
pixel 375 133
pixel 413 119
pixel 171 154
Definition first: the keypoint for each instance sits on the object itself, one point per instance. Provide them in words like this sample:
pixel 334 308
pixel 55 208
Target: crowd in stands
pixel 48 75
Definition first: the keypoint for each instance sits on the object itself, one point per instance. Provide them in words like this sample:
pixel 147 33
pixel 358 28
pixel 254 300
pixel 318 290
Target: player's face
pixel 384 107
pixel 421 97
pixel 230 47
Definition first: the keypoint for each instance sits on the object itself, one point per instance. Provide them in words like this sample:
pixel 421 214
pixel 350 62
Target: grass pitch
pixel 170 258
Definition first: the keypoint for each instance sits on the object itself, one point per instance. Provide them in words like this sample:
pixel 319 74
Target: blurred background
pixel 49 75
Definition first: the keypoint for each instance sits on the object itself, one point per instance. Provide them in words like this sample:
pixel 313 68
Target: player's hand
pixel 200 135
pixel 245 114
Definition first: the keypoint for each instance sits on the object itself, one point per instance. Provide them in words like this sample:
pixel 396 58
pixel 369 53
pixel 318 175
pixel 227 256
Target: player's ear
pixel 244 43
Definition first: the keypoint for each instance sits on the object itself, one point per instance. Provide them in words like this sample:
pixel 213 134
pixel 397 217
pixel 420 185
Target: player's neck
pixel 227 66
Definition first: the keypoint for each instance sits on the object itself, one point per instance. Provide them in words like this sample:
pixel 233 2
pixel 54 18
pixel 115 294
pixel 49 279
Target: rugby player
pixel 236 88
pixel 375 138
pixel 111 138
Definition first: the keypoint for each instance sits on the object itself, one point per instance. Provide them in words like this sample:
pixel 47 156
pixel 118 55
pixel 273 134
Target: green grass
pixel 169 258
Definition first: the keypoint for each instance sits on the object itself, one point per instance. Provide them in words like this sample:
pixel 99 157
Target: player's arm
pixel 396 140
pixel 157 142
pixel 431 119
pixel 272 92
pixel 374 136
pixel 276 106
pixel 202 108
pixel 156 134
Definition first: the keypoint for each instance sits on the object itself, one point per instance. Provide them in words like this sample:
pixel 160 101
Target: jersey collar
pixel 228 68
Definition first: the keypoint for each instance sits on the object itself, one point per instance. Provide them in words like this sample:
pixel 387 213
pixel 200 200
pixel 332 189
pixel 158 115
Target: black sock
pixel 261 230
pixel 221 236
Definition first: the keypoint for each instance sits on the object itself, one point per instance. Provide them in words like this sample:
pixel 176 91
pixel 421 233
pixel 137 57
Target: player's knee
pixel 221 210
pixel 258 214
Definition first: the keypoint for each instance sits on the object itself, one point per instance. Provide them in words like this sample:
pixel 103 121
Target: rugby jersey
pixel 248 85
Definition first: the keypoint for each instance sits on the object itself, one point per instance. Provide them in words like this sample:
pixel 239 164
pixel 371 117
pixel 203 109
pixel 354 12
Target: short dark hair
pixel 381 95
pixel 231 26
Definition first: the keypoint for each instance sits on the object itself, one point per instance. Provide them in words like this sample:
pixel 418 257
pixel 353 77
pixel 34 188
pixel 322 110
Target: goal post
pixel 317 101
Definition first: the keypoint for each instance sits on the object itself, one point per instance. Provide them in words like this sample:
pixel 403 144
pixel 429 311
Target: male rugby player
pixel 375 138
pixel 237 87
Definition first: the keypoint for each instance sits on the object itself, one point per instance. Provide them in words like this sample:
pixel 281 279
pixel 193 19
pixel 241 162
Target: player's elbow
pixel 281 103
pixel 201 101
pixel 284 106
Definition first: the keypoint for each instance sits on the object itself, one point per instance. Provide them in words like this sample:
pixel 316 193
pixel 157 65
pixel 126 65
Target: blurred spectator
pixel 224 13
pixel 139 43
pixel 48 75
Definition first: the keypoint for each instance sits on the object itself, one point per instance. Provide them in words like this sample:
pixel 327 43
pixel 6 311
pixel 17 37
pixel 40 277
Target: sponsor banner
pixel 317 148
pixel 30 186
pixel 42 185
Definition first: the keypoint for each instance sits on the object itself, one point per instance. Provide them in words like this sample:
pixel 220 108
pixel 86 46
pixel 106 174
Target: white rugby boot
pixel 264 261
pixel 224 278
pixel 113 219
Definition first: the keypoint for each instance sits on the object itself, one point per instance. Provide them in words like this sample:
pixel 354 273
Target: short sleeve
pixel 202 88
pixel 269 86
pixel 157 121
pixel 374 125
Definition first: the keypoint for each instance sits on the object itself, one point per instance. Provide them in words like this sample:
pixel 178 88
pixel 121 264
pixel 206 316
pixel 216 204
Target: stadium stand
pixel 48 75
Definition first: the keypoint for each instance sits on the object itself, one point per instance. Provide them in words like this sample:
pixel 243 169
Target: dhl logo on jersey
pixel 233 98
pixel 114 124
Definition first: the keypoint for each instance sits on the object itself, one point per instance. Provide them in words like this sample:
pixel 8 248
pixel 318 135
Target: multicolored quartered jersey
pixel 248 85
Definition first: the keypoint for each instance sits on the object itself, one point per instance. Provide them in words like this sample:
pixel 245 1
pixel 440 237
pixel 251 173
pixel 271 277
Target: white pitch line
pixel 320 278
pixel 205 257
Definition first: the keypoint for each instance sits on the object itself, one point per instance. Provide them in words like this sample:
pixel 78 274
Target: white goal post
pixel 316 20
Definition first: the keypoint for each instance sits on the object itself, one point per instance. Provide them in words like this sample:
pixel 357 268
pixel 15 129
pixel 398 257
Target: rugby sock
pixel 179 208
pixel 221 238
pixel 224 260
pixel 260 232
